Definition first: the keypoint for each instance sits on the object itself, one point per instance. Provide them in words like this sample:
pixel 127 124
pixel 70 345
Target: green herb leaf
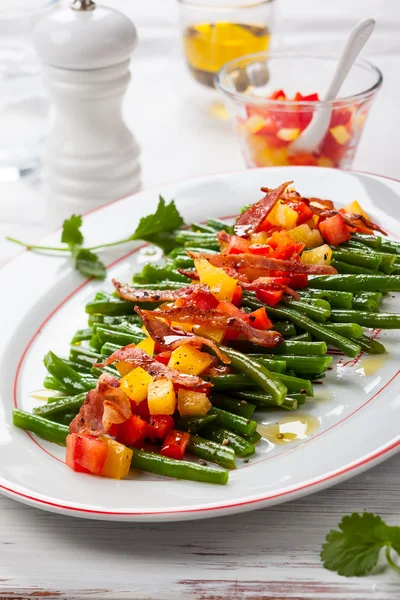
pixel 88 263
pixel 71 233
pixel 158 228
pixel 355 549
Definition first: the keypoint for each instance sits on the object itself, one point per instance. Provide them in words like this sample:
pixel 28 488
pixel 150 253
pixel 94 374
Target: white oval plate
pixel 43 299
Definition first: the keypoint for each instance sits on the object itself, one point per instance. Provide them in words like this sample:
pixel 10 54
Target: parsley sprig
pixel 158 228
pixel 354 549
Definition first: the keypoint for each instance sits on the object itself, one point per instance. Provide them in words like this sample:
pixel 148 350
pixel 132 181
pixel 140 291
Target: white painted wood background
pixel 267 554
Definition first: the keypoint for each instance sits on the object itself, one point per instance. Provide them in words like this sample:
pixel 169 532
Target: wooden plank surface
pixel 262 555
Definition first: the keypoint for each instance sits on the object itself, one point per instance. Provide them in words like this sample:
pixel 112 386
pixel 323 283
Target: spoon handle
pixel 355 43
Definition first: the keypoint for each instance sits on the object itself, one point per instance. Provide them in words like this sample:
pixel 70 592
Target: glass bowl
pixel 260 90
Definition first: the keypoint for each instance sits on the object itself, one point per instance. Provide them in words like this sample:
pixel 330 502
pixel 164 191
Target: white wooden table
pixel 268 554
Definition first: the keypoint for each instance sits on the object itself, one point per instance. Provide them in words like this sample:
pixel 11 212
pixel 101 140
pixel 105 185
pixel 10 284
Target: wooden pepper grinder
pixel 91 156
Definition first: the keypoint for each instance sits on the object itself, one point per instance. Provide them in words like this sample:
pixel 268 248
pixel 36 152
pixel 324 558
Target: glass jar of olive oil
pixel 217 31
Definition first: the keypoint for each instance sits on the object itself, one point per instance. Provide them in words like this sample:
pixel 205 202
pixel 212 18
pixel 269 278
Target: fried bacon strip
pixel 253 261
pixel 268 283
pixel 132 294
pixel 169 337
pixel 139 358
pixel 251 219
pixel 103 407
pixel 216 318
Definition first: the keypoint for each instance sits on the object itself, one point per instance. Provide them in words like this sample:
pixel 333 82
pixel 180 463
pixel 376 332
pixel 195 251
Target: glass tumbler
pixel 272 98
pixel 23 101
pixel 217 31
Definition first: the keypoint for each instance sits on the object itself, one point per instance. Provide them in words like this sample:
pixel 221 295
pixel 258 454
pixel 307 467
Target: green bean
pixel 370 346
pixel 47 430
pixel 107 349
pixel 336 299
pixel 194 423
pixel 304 365
pixel 158 273
pixel 150 462
pixel 220 225
pixel 285 328
pixel 241 447
pixel 60 406
pixel 369 240
pixel 73 382
pixel 121 338
pixel 353 331
pixel 63 419
pixel 202 228
pixel 78 367
pixel 348 347
pixel 357 257
pixel 111 307
pixel 183 262
pixel 388 261
pixel 51 383
pixel 202 240
pixel 318 313
pixel 234 422
pixel 367 319
pixel 369 301
pixel 269 382
pixel 254 438
pixel 238 407
pixel 264 402
pixel 212 451
pixel 302 337
pixel 84 356
pixel 235 382
pixel 347 269
pixel 296 384
pixel 357 283
pixel 81 335
pixel 390 246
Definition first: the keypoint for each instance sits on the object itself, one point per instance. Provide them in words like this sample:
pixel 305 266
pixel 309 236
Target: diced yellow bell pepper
pixel 261 237
pixel 184 326
pixel 118 460
pixel 288 134
pixel 222 286
pixel 135 384
pixel 216 334
pixel 324 161
pixel 188 359
pixel 318 256
pixel 283 216
pixel 305 235
pixel 340 133
pixel 255 123
pixel 147 345
pixel 161 397
pixel 355 209
pixel 193 403
pixel 266 157
pixel 123 368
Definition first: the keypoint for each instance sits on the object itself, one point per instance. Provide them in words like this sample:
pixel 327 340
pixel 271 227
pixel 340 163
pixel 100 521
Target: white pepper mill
pixel 91 156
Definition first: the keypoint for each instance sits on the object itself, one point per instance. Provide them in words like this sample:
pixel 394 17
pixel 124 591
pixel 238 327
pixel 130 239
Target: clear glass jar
pixel 215 32
pixel 271 99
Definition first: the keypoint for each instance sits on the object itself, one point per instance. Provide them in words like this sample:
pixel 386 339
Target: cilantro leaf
pixel 71 233
pixel 354 551
pixel 88 263
pixel 158 228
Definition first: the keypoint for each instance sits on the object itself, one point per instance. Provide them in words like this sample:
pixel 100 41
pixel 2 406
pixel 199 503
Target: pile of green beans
pixel 332 311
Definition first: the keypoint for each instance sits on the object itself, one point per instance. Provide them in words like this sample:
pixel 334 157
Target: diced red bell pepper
pixel 334 230
pixel 284 246
pixel 311 98
pixel 278 95
pixel 163 357
pixel 233 311
pixel 305 213
pixel 340 116
pixel 304 159
pixel 269 297
pixel 236 245
pixel 175 444
pixel 133 431
pixel 266 226
pixel 159 426
pixel 141 409
pixel 85 453
pixel 298 280
pixel 237 296
pixel 114 429
pixel 259 319
pixel 203 300
pixel 260 249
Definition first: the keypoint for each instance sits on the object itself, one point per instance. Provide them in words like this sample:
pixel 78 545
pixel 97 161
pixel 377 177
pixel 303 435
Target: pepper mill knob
pixel 91 156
